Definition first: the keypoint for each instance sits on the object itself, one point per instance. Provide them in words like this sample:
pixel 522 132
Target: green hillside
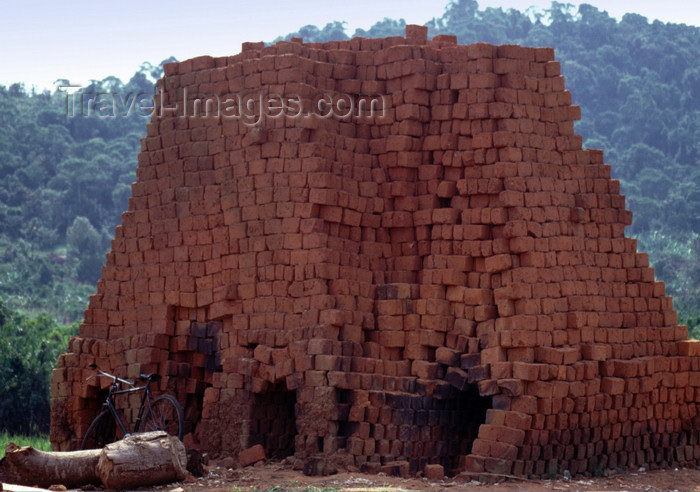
pixel 64 183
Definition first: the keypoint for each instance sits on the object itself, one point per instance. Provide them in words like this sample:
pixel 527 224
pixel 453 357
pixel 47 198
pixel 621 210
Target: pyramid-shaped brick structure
pixel 391 251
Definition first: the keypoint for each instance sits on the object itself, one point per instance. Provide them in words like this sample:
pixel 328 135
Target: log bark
pixel 138 460
pixel 142 459
pixel 29 466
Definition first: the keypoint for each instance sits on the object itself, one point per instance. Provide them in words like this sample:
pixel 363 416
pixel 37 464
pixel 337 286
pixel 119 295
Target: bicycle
pixel 162 413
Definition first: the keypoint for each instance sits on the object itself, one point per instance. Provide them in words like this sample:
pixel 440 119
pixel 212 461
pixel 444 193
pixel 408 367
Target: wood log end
pixel 143 459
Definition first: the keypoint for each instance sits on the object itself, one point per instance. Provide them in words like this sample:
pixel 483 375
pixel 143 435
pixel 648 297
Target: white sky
pixel 80 40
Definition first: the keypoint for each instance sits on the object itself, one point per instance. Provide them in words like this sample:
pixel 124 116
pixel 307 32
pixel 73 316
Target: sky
pixel 45 40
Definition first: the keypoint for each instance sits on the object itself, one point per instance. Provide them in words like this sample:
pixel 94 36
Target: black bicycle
pixel 162 413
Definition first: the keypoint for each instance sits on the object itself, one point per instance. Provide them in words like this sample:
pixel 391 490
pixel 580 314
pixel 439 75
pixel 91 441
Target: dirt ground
pixel 280 476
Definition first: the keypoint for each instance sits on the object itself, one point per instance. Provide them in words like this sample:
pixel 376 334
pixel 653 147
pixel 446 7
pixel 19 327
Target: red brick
pixel 392 338
pixel 434 472
pixel 498 263
pixel 251 455
pixel 522 338
pixel 521 244
pixel 613 386
pixel 417 33
pixel 472 463
pixel 595 351
pixel 498 433
pixel 483 80
pixel 478 297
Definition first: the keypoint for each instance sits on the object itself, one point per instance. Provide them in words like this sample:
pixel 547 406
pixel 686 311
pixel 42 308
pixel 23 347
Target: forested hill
pixel 64 182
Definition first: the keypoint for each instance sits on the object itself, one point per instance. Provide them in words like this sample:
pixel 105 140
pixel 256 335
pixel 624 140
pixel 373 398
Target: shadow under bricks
pixel 422 430
pixel 193 360
pixel 461 414
pixel 274 424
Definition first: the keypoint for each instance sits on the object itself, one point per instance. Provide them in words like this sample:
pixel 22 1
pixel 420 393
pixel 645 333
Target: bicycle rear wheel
pixel 102 431
pixel 166 415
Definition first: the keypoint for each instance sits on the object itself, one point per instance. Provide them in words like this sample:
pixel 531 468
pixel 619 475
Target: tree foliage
pixel 85 245
pixel 64 182
pixel 29 349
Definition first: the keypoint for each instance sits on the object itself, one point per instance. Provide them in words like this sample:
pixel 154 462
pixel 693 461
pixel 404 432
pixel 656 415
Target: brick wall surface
pixel 446 281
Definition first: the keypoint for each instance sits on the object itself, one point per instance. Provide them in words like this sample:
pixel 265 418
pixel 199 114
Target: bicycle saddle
pixel 150 377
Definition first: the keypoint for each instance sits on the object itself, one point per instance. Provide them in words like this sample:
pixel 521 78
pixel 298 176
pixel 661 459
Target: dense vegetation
pixel 29 348
pixel 64 183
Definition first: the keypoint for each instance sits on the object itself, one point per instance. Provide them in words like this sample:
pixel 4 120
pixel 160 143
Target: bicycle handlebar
pixel 114 378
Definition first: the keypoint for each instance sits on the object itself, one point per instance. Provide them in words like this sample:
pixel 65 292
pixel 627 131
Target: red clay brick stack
pixel 445 282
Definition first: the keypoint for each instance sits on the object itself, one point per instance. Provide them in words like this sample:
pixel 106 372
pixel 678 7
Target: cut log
pixel 138 460
pixel 29 466
pixel 142 459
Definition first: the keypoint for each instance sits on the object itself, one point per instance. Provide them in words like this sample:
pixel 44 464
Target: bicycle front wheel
pixel 102 431
pixel 166 415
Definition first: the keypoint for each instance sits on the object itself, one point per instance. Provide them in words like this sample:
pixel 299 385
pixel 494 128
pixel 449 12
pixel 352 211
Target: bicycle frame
pixel 161 413
pixel 115 389
pixel 109 403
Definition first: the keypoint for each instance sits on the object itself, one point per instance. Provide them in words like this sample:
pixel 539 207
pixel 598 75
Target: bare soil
pixel 280 476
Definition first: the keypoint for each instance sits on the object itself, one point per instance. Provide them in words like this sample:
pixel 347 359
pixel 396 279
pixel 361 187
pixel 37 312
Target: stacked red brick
pixel 447 282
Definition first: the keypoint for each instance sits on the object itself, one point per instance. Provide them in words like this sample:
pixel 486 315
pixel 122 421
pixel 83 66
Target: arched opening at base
pixel 461 414
pixel 194 361
pixel 273 423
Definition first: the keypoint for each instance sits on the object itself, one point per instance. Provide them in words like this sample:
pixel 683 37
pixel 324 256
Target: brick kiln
pixel 440 276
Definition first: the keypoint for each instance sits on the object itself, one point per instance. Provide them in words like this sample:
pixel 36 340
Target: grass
pixel 40 441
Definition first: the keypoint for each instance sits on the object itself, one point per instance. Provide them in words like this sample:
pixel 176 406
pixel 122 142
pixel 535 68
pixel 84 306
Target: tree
pixel 333 31
pixel 383 29
pixel 52 170
pixel 29 349
pixel 638 157
pixel 85 244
